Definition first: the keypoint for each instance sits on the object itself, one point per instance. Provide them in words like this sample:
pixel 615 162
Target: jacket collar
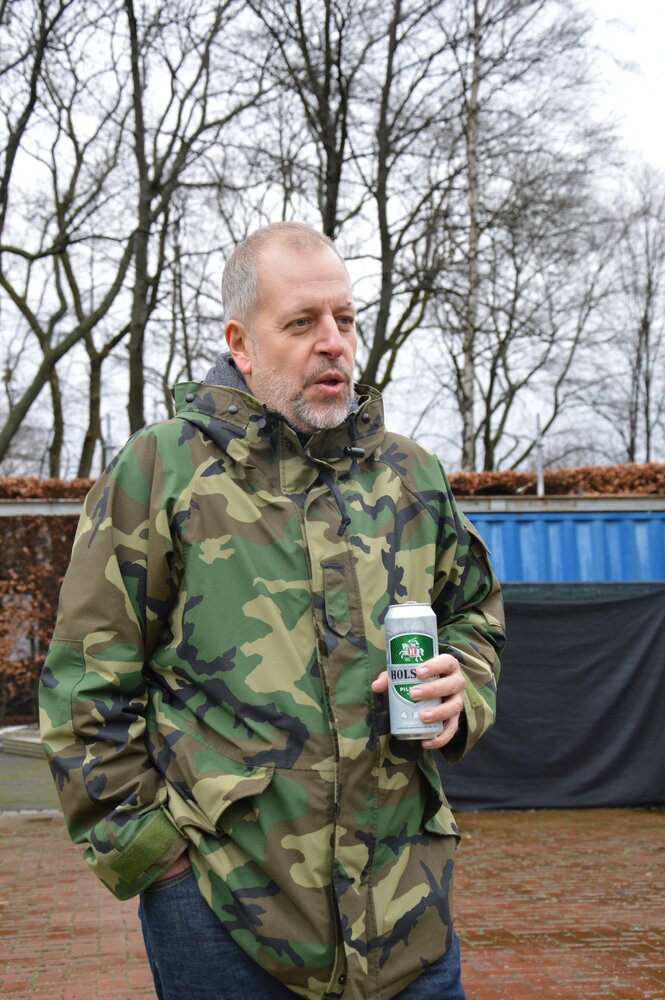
pixel 238 422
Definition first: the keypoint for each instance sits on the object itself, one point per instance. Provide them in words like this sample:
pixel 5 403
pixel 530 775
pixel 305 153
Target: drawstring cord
pixel 328 478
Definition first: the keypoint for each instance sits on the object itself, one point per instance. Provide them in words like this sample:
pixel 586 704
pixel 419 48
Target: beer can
pixel 411 638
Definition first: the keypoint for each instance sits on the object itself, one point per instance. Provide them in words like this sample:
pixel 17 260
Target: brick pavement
pixel 563 905
pixel 568 905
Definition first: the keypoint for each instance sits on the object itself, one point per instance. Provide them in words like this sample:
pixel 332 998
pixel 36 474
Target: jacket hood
pixel 224 372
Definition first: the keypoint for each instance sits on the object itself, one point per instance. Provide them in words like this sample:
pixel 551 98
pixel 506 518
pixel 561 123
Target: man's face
pixel 298 355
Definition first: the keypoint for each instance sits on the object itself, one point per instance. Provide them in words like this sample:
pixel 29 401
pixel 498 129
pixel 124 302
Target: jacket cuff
pixel 478 715
pixel 455 750
pixel 153 846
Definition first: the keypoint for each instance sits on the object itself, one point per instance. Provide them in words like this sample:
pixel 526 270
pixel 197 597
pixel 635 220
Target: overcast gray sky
pixel 638 96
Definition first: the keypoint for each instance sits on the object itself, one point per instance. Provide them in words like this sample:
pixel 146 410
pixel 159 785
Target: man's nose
pixel 330 340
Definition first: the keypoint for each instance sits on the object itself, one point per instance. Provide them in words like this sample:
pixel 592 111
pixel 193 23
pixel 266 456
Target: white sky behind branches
pixel 632 33
pixel 629 61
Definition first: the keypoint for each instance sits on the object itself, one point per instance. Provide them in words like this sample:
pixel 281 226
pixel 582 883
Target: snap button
pixel 288 445
pixel 366 417
pixel 190 397
pixel 233 408
pixel 342 979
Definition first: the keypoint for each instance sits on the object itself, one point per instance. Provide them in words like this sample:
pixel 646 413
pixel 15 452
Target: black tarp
pixel 581 704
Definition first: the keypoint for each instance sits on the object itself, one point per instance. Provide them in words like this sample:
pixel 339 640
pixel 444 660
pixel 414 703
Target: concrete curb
pixel 22 740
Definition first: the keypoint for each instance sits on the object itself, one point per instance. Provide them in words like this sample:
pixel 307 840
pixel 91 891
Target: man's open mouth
pixel 330 378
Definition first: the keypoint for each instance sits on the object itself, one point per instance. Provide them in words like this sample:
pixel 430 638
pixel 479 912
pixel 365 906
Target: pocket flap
pixel 219 782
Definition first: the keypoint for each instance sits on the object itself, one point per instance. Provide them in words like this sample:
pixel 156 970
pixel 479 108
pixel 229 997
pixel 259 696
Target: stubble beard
pixel 277 392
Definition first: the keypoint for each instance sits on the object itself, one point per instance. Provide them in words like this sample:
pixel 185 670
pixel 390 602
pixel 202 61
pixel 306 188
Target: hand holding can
pixel 411 638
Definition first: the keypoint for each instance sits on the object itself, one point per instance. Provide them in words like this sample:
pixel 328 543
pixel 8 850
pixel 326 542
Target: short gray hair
pixel 241 287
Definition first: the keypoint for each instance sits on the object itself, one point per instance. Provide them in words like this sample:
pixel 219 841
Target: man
pixel 214 699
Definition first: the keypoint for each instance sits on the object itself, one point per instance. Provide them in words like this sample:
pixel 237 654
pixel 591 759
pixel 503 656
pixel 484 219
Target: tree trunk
pixel 20 409
pixel 370 374
pixel 139 311
pixel 644 367
pixel 94 431
pixel 55 447
pixel 471 311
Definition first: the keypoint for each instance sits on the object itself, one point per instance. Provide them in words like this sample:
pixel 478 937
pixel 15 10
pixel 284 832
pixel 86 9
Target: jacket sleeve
pixel 469 609
pixel 114 601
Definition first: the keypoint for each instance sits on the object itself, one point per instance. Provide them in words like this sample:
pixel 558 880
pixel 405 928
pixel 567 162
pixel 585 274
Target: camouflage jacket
pixel 208 683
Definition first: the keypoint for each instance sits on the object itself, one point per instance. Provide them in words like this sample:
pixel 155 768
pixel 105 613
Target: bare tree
pixel 189 317
pixel 123 111
pixel 60 275
pixel 631 373
pixel 412 174
pixel 28 33
pixel 176 60
pixel 444 143
pixel 372 88
pixel 518 294
pixel 320 52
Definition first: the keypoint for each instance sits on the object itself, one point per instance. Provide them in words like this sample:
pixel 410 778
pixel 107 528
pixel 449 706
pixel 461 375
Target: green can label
pixel 406 652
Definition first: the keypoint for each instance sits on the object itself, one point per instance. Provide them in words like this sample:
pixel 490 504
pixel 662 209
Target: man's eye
pixel 346 320
pixel 300 323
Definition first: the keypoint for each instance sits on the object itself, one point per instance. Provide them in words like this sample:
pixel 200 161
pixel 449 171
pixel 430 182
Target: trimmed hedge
pixel 33 558
pixel 645 478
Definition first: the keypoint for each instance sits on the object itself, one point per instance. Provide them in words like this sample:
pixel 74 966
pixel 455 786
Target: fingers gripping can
pixel 411 638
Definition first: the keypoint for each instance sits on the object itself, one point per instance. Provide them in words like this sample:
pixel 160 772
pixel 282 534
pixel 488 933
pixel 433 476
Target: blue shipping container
pixel 574 546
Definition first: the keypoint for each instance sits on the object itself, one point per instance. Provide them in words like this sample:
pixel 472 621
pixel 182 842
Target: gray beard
pixel 323 417
pixel 277 394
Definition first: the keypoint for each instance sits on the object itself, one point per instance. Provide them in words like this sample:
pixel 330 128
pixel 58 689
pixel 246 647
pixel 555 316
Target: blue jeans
pixel 193 957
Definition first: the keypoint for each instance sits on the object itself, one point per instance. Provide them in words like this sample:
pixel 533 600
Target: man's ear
pixel 239 340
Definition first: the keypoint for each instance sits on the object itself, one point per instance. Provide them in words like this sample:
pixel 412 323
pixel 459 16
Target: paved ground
pixel 568 905
pixel 563 905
